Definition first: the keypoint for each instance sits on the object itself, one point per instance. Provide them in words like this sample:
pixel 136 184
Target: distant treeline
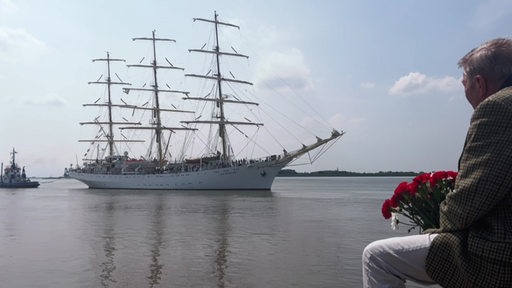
pixel 337 173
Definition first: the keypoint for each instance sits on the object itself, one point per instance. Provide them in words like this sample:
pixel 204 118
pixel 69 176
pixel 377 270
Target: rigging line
pixel 255 143
pixel 240 131
pixel 263 148
pixel 323 123
pixel 205 145
pixel 316 155
pixel 168 144
pixel 323 149
pixel 252 140
pixel 149 153
pixel 279 123
pixel 116 150
pixel 283 114
pixel 242 149
pixel 311 108
pixel 188 138
pixel 286 116
pixel 207 43
pixel 255 137
pixel 188 143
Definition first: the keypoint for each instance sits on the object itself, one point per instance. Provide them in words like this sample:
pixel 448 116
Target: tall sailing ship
pixel 167 165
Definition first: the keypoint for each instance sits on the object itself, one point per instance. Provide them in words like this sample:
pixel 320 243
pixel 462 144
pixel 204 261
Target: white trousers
pixel 390 262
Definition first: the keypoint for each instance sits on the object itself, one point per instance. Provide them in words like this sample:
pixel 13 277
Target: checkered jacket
pixel 474 247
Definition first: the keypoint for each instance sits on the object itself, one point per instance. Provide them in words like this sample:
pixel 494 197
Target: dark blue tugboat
pixel 14 177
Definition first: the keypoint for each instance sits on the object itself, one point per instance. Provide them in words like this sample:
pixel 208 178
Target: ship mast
pixel 13 164
pixel 221 99
pixel 157 126
pixel 108 81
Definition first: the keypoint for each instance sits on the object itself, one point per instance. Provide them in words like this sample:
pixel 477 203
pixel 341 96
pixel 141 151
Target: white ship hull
pixel 245 177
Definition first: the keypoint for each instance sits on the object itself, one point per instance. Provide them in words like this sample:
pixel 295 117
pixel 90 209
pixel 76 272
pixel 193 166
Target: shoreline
pixel 337 173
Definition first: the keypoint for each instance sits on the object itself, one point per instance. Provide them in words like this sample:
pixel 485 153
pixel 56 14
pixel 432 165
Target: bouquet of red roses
pixel 419 200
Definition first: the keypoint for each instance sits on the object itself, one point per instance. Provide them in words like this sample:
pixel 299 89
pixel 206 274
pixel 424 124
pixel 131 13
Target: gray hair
pixel 493 60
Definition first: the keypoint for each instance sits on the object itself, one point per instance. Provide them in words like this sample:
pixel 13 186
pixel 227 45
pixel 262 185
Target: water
pixel 307 232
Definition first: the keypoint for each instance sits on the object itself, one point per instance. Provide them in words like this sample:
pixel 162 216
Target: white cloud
pixel 416 83
pixel 18 45
pixel 284 71
pixel 7 6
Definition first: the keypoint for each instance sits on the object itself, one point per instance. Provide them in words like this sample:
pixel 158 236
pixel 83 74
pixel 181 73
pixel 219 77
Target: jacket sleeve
pixel 485 172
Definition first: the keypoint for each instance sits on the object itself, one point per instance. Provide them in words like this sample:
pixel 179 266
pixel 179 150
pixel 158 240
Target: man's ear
pixel 481 87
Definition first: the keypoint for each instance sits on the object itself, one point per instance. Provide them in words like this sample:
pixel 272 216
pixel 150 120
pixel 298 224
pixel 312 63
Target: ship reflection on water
pixel 221 260
pixel 108 265
pixel 149 241
pixel 157 227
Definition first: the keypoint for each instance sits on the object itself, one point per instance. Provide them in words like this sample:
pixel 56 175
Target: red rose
pixel 386 209
pixel 402 188
pixel 452 174
pixel 413 188
pixel 437 176
pixel 394 202
pixel 422 178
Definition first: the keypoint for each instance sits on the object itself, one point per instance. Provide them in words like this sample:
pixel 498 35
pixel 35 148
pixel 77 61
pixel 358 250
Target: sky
pixel 385 72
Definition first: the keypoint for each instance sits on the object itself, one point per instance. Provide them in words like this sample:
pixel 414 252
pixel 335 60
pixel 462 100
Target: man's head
pixel 485 69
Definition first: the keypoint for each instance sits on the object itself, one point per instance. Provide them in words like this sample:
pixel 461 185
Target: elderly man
pixel 473 246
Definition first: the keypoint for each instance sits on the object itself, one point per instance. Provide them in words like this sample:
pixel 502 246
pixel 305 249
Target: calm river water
pixel 306 232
